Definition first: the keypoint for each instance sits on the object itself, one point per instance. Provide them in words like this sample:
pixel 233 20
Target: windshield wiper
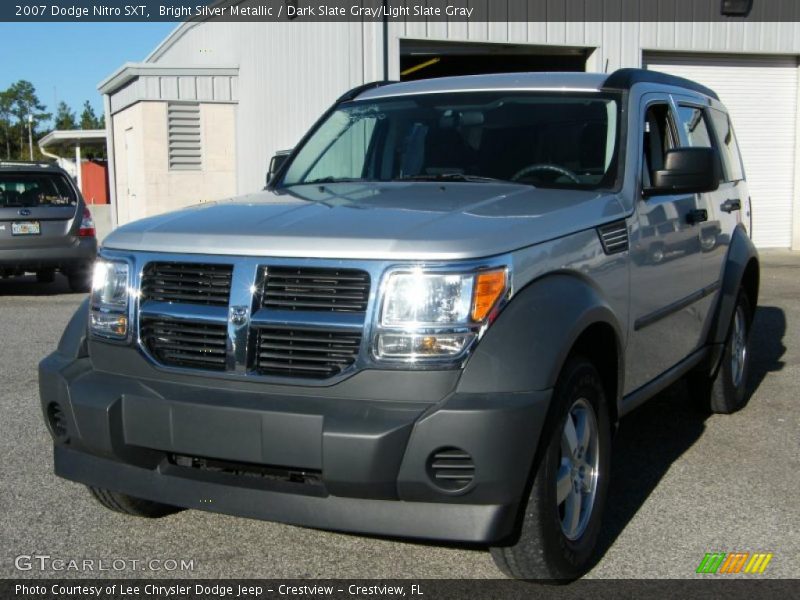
pixel 452 177
pixel 322 180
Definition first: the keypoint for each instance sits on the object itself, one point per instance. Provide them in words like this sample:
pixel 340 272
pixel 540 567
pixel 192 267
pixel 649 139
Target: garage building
pixel 200 118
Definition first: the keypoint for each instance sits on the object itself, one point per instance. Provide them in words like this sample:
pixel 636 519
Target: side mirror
pixel 687 171
pixel 275 163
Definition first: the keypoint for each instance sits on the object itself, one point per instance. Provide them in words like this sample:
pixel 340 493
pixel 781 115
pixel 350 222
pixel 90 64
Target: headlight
pixel 109 300
pixel 428 315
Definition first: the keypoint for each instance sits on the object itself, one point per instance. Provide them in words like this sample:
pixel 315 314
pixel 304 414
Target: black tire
pixel 128 505
pixel 540 549
pixel 80 281
pixel 46 276
pixel 725 391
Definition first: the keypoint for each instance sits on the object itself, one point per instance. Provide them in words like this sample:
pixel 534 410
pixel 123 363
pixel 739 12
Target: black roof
pixel 624 79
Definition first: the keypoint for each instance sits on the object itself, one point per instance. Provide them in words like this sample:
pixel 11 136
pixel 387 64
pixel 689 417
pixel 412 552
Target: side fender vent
pixel 614 237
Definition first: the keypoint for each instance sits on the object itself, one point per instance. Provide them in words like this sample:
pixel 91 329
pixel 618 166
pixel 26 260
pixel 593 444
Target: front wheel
pixel 561 523
pixel 129 505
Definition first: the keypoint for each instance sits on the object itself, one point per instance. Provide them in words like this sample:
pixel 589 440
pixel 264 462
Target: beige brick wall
pixel 145 184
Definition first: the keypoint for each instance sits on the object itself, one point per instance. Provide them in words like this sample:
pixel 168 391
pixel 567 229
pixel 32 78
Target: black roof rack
pixel 625 79
pixel 356 91
pixel 27 163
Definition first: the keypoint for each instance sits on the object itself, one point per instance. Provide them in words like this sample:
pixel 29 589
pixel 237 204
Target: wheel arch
pixel 742 271
pixel 551 319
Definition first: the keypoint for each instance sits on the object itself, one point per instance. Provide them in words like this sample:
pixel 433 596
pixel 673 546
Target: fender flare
pixel 740 254
pixel 527 346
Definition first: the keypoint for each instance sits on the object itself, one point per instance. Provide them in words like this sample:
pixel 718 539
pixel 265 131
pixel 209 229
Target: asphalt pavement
pixel 683 484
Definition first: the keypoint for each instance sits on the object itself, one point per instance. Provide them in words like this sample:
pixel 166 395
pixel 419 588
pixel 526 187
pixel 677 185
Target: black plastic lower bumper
pixel 372 457
pixel 431 520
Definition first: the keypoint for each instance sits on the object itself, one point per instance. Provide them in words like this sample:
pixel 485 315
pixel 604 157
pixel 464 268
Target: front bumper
pixel 370 453
pixel 75 255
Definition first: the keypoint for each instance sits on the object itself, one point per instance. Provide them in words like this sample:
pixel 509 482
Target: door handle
pixel 696 216
pixel 731 205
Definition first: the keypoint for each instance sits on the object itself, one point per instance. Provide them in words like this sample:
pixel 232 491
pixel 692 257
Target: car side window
pixel 729 147
pixel 694 123
pixel 659 136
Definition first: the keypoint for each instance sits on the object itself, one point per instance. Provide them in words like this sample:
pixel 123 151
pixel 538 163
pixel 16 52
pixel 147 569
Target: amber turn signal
pixel 489 287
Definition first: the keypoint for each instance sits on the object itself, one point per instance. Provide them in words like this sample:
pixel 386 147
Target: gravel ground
pixel 682 484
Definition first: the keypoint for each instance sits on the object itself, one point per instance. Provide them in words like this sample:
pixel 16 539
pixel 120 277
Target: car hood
pixel 396 220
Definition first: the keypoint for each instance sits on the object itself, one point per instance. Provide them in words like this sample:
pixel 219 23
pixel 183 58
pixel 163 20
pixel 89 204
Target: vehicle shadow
pixel 766 348
pixel 28 286
pixel 655 435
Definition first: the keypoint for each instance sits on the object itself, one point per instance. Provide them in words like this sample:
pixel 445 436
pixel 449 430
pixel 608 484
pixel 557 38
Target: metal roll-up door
pixel 760 93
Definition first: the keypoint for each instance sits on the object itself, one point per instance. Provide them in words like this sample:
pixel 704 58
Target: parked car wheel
pixel 46 276
pixel 128 505
pixel 80 281
pixel 561 522
pixel 725 391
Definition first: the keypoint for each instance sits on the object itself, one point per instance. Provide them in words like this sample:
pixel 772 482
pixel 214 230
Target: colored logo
pixel 722 563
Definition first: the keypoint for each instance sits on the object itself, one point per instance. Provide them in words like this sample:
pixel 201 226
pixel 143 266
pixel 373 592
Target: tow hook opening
pixel 57 423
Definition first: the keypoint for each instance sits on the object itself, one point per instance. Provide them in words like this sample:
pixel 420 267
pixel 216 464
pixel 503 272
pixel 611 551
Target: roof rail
pixel 356 91
pixel 27 163
pixel 625 79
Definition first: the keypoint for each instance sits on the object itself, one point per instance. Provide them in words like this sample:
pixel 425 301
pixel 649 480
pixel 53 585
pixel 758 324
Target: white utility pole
pixel 30 135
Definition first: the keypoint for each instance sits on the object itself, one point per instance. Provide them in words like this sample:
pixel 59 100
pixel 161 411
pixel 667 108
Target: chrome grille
pixel 315 289
pixel 187 283
pixel 311 353
pixel 177 343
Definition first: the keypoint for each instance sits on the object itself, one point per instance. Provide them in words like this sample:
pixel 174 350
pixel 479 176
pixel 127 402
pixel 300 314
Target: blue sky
pixel 66 61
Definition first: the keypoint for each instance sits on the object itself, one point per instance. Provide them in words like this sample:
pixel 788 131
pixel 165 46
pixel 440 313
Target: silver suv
pixel 431 321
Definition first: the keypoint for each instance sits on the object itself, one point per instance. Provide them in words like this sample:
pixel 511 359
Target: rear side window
pixel 35 189
pixel 729 148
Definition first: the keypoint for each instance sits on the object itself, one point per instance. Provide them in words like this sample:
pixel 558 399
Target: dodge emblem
pixel 239 315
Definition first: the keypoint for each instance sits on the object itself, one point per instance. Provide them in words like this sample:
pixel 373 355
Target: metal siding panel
pixel 478 31
pixel 593 33
pixel 537 32
pixel 436 30
pixel 498 31
pixel 222 88
pixel 187 89
pixel 766 135
pixel 205 88
pixel 152 87
pixel 169 88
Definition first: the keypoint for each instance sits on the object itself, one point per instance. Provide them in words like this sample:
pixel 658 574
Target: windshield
pixel 535 138
pixel 35 189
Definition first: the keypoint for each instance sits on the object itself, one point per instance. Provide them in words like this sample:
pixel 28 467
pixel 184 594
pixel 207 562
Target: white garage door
pixel 761 95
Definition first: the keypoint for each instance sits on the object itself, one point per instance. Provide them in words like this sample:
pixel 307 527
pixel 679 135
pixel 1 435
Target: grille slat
pixel 187 283
pixel 305 353
pixel 301 288
pixel 185 344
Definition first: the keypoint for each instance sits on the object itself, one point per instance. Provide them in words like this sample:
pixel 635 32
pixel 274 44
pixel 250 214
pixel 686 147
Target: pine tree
pixel 65 117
